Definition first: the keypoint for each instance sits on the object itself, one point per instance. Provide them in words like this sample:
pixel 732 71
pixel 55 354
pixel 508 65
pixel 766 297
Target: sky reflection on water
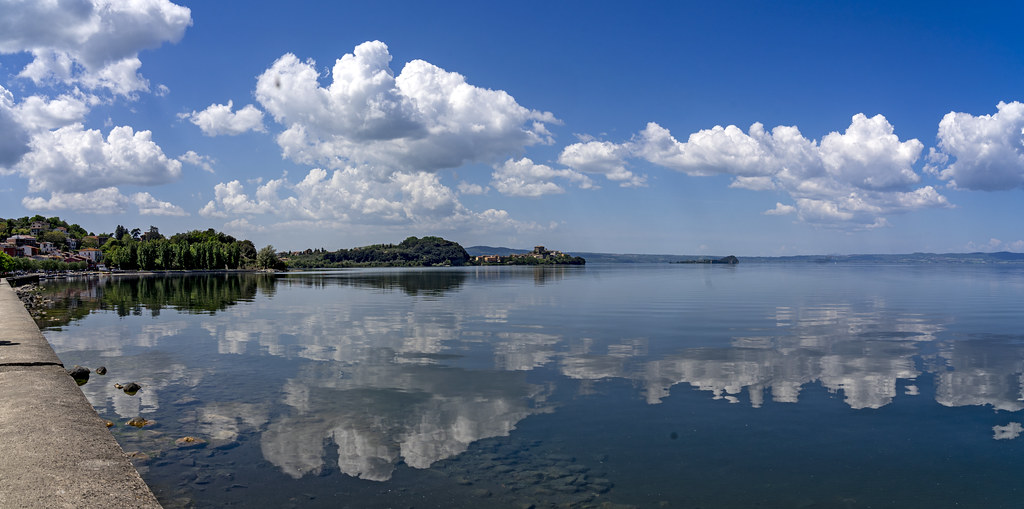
pixel 367 374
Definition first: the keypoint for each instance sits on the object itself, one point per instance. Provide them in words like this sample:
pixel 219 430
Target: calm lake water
pixel 796 386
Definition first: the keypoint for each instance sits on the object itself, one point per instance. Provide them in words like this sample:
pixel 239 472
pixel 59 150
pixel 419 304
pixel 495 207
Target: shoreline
pixel 58 452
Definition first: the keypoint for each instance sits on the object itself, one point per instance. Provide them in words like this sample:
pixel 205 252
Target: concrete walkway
pixel 55 451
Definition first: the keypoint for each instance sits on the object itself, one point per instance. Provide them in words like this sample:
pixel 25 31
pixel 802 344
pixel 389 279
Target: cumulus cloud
pixel 602 157
pixel 218 119
pixel 849 179
pixel 354 195
pixel 34 114
pixel 470 188
pixel 869 155
pixel 425 118
pixel 525 178
pixel 92 43
pixel 107 200
pixel 41 113
pixel 73 158
pixel 379 138
pixel 1009 432
pixel 150 206
pixel 193 158
pixel 981 153
pixel 780 210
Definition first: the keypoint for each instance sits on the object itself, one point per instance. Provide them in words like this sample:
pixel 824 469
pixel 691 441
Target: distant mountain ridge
pixel 591 257
pixel 1000 257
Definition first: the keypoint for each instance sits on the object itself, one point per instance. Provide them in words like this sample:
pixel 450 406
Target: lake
pixel 756 385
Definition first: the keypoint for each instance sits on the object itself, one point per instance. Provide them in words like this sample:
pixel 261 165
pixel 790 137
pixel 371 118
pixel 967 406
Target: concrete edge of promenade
pixel 55 450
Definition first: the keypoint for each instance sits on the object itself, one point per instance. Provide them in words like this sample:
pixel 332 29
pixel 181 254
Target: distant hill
pixel 1001 257
pixel 489 250
pixel 916 258
pixel 591 257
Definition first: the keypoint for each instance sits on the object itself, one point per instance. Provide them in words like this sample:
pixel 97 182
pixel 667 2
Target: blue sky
pixel 748 128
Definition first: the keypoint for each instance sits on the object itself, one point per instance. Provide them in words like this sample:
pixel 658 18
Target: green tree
pixel 248 251
pixel 182 256
pixel 6 263
pixel 147 254
pixel 124 257
pixel 232 255
pixel 165 255
pixel 57 238
pixel 266 258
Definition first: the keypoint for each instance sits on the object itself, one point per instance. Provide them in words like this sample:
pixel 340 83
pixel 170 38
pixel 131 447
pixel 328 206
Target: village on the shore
pixel 61 244
pixel 539 255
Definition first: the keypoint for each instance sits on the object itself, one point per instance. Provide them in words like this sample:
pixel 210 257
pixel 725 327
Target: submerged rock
pixel 131 388
pixel 78 372
pixel 189 442
pixel 138 422
pixel 101 370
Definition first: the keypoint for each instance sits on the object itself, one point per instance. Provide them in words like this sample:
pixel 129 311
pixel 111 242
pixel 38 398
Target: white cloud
pixel 870 156
pixel 35 114
pixel 707 152
pixel 380 137
pixel 108 200
pixel 242 224
pixel 40 113
pixel 425 118
pixel 525 178
pixel 1009 432
pixel 470 188
pixel 987 150
pixel 603 158
pixel 94 43
pixel 75 159
pixel 354 196
pixel 849 180
pixel 753 183
pixel 218 119
pixel 148 205
pixel 193 158
pixel 780 210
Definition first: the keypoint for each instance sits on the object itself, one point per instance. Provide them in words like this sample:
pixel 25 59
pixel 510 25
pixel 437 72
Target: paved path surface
pixel 55 451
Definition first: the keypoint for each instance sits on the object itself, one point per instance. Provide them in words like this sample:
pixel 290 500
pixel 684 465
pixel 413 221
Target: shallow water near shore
pixel 784 385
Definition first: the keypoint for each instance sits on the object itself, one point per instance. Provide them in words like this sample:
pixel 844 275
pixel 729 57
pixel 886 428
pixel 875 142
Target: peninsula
pixel 728 260
pixel 419 252
pixel 539 256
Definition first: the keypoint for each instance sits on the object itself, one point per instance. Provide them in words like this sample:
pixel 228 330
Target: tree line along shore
pixel 32 244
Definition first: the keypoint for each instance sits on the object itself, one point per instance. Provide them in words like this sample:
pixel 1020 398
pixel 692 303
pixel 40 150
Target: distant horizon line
pixel 915 253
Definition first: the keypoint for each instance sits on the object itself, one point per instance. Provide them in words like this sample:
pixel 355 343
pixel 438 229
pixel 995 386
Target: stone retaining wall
pixel 55 451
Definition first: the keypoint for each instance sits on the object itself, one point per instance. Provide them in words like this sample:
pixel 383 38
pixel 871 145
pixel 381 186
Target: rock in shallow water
pixel 78 372
pixel 138 422
pixel 189 442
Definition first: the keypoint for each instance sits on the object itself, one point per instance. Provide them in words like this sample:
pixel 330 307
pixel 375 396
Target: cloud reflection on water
pixel 417 375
